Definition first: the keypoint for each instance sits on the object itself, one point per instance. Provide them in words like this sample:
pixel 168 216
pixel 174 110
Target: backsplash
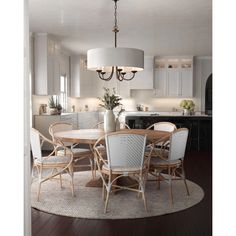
pixel 143 97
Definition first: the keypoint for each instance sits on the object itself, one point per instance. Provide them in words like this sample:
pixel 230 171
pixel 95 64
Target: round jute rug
pixel 125 204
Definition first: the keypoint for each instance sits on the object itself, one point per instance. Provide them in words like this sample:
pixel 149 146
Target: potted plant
pixel 55 106
pixel 188 106
pixel 109 101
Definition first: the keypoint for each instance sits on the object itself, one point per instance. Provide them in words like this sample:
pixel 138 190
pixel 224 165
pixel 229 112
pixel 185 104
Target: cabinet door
pixel 144 79
pixel 56 76
pixel 87 120
pixel 186 82
pixel 160 82
pixel 173 82
pixel 72 118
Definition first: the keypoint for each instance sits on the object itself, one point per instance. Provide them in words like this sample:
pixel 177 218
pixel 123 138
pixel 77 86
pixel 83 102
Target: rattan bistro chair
pixel 125 157
pixel 174 162
pixel 78 153
pixel 57 164
pixel 162 126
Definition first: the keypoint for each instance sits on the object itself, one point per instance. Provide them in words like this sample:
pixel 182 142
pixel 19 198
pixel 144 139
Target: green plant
pixel 110 100
pixel 54 103
pixel 187 104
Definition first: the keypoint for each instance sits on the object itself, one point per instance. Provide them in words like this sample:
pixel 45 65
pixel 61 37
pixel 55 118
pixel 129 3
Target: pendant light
pixel 124 63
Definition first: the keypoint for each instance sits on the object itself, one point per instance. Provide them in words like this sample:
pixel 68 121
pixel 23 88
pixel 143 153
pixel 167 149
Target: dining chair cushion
pixel 120 169
pixel 56 159
pixel 159 162
pixel 75 151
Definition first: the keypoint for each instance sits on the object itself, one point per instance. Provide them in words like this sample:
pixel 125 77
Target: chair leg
pixel 71 171
pixel 185 183
pixel 144 201
pixel 60 178
pixel 92 166
pixel 39 188
pixel 107 199
pixel 40 178
pixel 170 185
pixel 103 192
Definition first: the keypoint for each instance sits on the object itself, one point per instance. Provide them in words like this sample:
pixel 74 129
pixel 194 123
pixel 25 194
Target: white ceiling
pixel 159 27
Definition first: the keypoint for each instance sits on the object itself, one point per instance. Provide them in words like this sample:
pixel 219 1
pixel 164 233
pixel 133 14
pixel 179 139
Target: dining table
pixel 90 136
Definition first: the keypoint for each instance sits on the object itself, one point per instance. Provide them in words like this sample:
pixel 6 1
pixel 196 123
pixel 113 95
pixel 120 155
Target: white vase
pixel 109 121
pixel 186 112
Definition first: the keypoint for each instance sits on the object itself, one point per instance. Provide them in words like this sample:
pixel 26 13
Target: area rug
pixel 88 201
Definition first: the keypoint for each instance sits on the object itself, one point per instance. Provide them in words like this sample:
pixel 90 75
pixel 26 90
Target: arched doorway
pixel 208 96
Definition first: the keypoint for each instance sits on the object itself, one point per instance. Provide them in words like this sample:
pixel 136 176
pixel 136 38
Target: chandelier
pixel 123 62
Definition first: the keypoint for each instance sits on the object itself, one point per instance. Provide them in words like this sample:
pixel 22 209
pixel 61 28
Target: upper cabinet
pixel 144 79
pixel 173 76
pixel 46 65
pixel 82 80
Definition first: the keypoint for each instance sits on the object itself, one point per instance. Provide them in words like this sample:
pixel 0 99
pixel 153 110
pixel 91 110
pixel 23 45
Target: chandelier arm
pixel 127 79
pixel 118 74
pixel 101 75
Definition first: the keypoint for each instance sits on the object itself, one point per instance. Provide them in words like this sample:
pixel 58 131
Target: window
pixel 63 92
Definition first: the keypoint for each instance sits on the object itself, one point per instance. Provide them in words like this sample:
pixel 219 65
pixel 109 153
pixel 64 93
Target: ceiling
pixel 159 27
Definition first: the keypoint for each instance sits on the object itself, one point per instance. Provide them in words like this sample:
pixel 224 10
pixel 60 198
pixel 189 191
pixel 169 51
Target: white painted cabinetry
pixel 83 81
pixel 144 79
pixel 87 120
pixel 173 77
pixel 80 120
pixel 46 64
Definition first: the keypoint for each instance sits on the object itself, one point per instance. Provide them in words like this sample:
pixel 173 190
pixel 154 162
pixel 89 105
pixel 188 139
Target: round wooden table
pixel 90 136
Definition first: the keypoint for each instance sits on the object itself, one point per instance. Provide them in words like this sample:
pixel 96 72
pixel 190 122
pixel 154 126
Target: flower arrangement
pixel 110 100
pixel 187 104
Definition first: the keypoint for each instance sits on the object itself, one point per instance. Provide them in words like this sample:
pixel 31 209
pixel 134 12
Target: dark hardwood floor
pixel 196 220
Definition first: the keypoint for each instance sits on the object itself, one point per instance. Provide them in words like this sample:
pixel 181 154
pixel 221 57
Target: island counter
pixel 200 127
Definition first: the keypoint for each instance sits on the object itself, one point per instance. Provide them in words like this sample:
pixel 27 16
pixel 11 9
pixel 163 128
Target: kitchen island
pixel 199 125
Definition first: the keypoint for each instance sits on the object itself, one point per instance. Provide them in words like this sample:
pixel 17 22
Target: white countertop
pixel 158 113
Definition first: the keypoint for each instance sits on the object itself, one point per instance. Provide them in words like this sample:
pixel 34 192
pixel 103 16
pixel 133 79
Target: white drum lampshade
pixel 129 59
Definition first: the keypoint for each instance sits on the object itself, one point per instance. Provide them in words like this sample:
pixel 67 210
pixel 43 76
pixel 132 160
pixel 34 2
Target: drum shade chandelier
pixel 123 62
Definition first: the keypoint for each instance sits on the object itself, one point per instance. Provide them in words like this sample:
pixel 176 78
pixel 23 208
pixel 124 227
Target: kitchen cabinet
pixel 87 120
pixel 46 65
pixel 200 127
pixel 83 81
pixel 80 120
pixel 173 77
pixel 144 79
pixel 42 123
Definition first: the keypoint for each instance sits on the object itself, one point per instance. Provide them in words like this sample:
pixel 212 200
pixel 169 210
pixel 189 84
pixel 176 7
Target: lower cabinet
pixel 80 120
pixel 87 120
pixel 200 128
